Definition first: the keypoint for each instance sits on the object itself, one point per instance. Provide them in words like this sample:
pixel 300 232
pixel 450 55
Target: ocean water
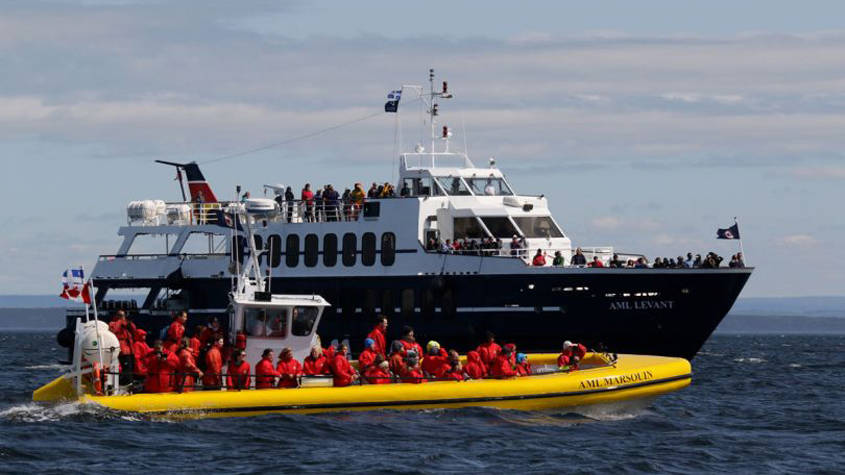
pixel 757 404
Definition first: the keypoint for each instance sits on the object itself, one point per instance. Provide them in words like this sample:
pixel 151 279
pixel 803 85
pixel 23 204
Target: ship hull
pixel 667 312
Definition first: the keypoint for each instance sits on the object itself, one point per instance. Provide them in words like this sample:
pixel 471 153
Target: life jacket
pixel 195 346
pixel 563 360
pixel 413 375
pixel 265 374
pixel 121 331
pixel 188 371
pixel 397 363
pixel 289 371
pixel 475 367
pixel 488 352
pixel 140 350
pixel 408 345
pixel 379 345
pixel 454 374
pixel 238 375
pixel 160 377
pixel 366 359
pixel 175 332
pixel 523 369
pixel 501 367
pixel 212 376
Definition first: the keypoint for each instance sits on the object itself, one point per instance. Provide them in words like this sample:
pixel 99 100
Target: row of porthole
pixel 349 250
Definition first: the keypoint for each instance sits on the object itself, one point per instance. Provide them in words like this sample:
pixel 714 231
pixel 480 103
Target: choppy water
pixel 757 404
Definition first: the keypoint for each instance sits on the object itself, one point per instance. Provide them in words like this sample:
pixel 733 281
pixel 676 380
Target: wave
pixel 48 366
pixel 35 412
pixel 749 360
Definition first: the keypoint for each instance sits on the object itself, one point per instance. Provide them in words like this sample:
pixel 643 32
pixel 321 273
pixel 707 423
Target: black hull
pixel 654 311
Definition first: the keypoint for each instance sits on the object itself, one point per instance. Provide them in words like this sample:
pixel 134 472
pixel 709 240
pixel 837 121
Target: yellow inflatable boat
pixel 598 381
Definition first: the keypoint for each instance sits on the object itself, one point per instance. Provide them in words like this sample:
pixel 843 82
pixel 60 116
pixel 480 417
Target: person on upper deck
pixel 515 245
pixel 378 335
pixel 188 370
pixel 213 377
pixel 436 360
pixel 578 259
pixel 616 262
pixel 475 368
pixel 539 259
pixel 245 197
pixel 379 372
pixel 489 350
pixel 289 369
pixel 265 373
pixel 367 357
pixel 373 191
pixel 558 260
pixel 357 196
pixel 289 203
pixel 238 372
pixel 409 342
pixel 387 191
pixel 596 262
pixel 315 363
pixel 175 332
pixel 405 191
pixel 343 372
pixel 307 197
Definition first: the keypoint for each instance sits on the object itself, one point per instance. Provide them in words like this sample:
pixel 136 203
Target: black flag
pixel 729 233
pixel 392 104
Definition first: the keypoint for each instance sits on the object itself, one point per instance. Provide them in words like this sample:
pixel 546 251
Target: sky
pixel 647 124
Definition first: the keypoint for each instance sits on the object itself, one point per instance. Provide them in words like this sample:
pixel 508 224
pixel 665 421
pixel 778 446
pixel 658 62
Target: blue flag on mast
pixel 392 104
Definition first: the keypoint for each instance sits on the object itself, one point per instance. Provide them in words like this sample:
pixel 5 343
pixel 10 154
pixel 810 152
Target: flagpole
pixel 96 319
pixel 741 250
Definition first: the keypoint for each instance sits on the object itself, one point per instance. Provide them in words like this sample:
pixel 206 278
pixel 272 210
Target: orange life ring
pixel 96 379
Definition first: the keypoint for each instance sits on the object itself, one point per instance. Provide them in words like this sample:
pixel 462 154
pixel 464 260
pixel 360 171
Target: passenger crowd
pixel 180 363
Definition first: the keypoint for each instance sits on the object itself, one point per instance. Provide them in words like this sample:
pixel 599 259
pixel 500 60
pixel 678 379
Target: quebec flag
pixel 74 286
pixel 392 104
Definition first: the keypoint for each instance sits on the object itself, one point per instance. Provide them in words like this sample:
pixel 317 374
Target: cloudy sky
pixel 647 124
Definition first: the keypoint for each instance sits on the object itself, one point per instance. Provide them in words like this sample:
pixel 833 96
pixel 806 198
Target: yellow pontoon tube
pixel 631 377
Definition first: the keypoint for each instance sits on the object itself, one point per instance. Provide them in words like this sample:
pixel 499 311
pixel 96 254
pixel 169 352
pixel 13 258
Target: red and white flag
pixel 74 286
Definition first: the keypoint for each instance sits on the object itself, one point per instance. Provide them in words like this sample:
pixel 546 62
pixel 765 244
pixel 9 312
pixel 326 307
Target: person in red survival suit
pixel 315 363
pixel 344 374
pixel 501 367
pixel 475 368
pixel 289 369
pixel 140 350
pixel 523 366
pixel 409 341
pixel 456 369
pixel 367 357
pixel 397 358
pixel 265 373
pixel 436 361
pixel 378 335
pixel 379 372
pixel 120 327
pixel 210 331
pixel 213 377
pixel 188 370
pixel 411 372
pixel 539 259
pixel 175 332
pixel 489 349
pixel 195 342
pixel 238 372
pixel 574 351
pixel 161 364
pixel 512 348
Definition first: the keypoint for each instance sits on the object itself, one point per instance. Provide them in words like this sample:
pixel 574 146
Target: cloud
pixel 797 241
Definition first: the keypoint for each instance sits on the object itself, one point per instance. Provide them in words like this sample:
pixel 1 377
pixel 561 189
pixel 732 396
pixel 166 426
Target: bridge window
pixel 388 249
pixel 265 322
pixel 538 227
pixel 468 228
pixel 311 244
pixel 303 319
pixel 292 250
pixel 274 243
pixel 330 250
pixel 454 185
pixel 368 249
pixel 499 226
pixel 350 242
pixel 490 186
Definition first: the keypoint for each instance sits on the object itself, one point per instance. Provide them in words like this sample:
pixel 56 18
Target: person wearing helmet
pixel 475 368
pixel 368 356
pixel 523 367
pixel 289 369
pixel 574 352
pixel 379 335
pixel 436 360
pixel 379 372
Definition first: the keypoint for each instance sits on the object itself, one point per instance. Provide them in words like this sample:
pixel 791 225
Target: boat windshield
pixel 453 185
pixel 302 321
pixel 499 226
pixel 265 322
pixel 490 186
pixel 538 227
